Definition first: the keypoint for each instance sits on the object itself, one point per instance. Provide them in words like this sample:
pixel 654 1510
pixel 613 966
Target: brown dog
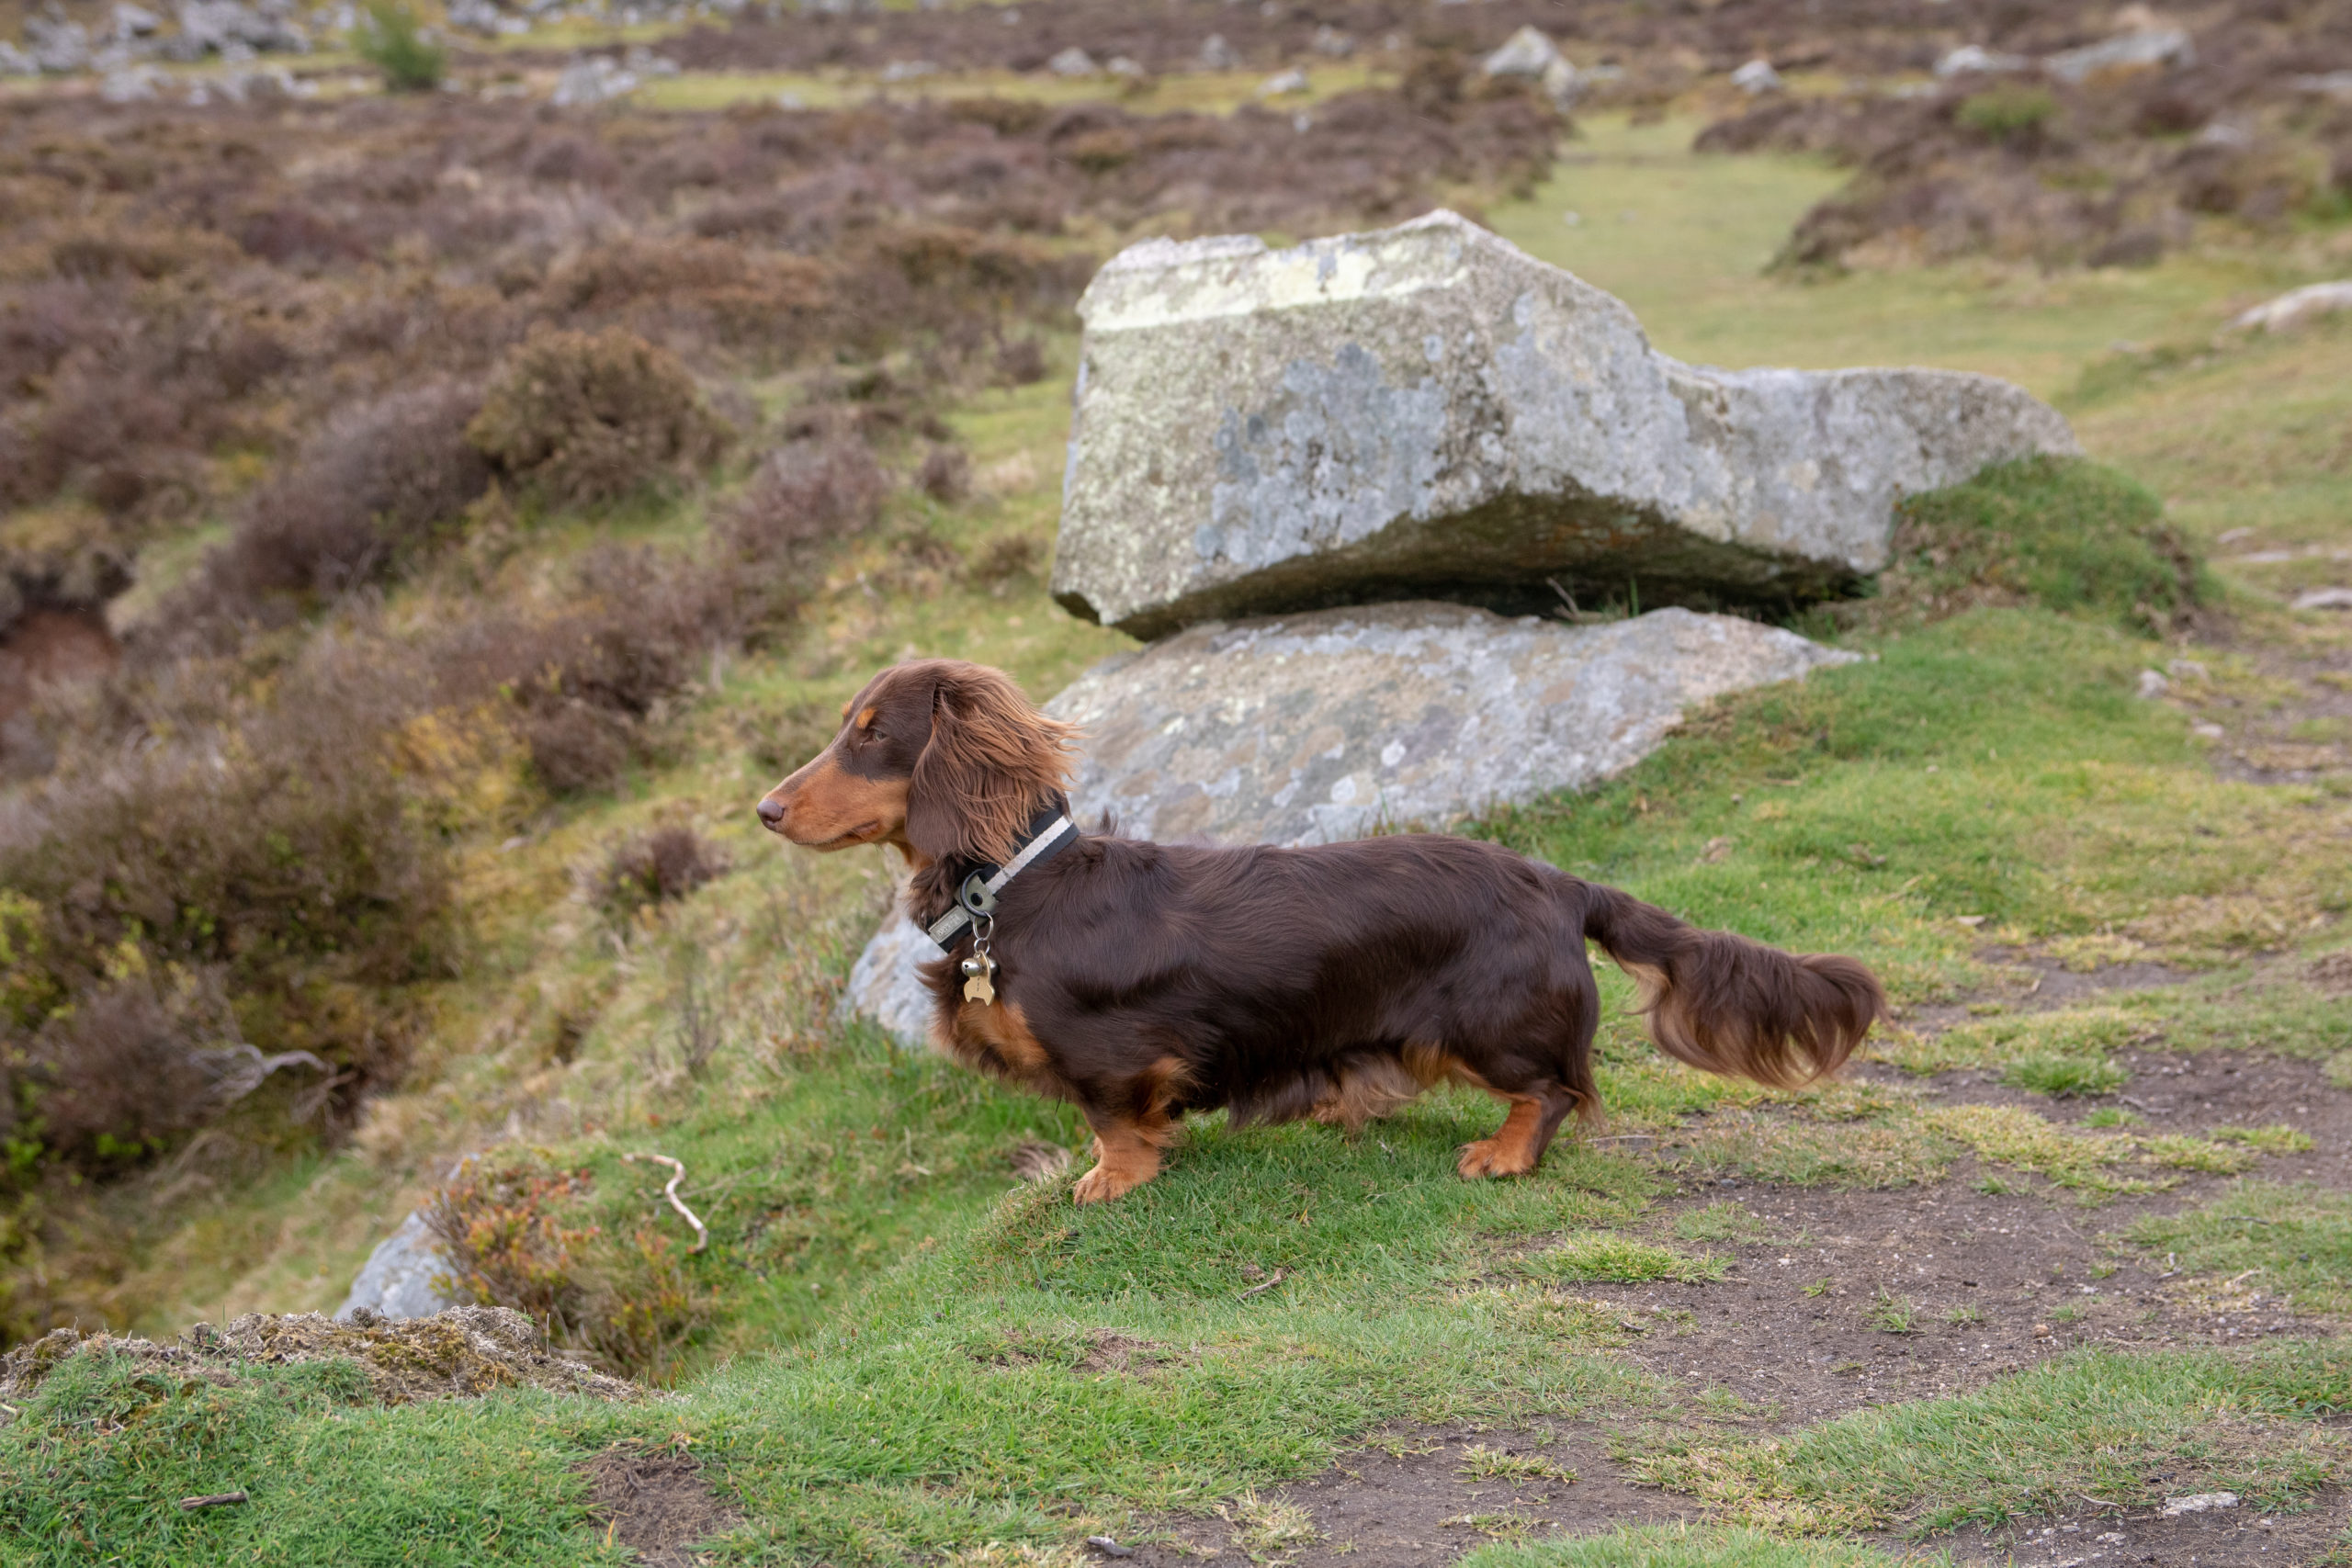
pixel 1140 981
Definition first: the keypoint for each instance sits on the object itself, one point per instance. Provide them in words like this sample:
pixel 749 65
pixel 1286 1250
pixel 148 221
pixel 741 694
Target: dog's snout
pixel 771 811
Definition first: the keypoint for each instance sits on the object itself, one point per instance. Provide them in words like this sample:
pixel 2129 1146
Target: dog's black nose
pixel 771 810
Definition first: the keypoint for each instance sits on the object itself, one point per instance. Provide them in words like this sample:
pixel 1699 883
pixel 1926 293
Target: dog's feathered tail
pixel 1728 1005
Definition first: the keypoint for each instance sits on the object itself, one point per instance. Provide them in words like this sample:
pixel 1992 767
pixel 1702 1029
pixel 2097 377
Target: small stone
pixel 1218 55
pixel 2325 598
pixel 1073 61
pixel 2153 685
pixel 1527 52
pixel 2199 1503
pixel 1971 57
pixel 2132 51
pixel 1757 78
pixel 1283 84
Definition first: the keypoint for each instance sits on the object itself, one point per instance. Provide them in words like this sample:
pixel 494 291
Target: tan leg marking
pixel 1125 1158
pixel 1512 1151
pixel 1128 1146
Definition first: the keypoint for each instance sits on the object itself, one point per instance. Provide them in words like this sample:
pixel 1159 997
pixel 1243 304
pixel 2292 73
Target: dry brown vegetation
pixel 1663 46
pixel 380 345
pixel 2112 171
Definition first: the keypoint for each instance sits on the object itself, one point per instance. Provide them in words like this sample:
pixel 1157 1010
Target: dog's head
pixel 938 757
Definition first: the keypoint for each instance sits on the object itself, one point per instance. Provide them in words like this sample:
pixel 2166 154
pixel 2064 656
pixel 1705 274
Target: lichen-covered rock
pixel 402 1278
pixel 1335 724
pixel 1427 412
pixel 885 984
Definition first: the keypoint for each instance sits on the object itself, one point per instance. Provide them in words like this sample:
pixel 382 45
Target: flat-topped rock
pixel 1335 724
pixel 1428 411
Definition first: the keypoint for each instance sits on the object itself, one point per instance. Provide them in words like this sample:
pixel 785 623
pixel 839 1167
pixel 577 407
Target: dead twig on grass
pixel 213 1500
pixel 669 1190
pixel 1276 1278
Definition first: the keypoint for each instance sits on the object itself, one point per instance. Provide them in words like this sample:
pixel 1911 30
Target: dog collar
pixel 1050 832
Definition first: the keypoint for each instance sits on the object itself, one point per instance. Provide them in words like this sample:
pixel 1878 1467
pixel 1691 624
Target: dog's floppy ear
pixel 992 763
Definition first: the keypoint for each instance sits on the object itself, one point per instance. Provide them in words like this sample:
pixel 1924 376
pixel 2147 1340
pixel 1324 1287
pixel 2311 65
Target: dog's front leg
pixel 1126 1155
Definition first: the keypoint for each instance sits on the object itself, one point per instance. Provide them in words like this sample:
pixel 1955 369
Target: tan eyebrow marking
pixel 865 717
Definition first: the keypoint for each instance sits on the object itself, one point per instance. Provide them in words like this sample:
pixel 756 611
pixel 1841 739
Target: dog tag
pixel 978 986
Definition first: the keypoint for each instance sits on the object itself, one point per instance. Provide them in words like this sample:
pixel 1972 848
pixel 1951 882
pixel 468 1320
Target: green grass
pixel 2298 1238
pixel 1993 766
pixel 1606 1254
pixel 2063 1075
pixel 92 1469
pixel 1680 1546
pixel 2069 535
pixel 2122 1429
pixel 1718 1222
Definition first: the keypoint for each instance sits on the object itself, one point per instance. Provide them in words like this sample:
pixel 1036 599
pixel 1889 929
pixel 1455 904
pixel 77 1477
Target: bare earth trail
pixel 1991 1283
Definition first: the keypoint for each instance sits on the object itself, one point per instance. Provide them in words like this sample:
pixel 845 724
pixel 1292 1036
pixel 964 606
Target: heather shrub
pixel 279 856
pixel 522 1233
pixel 140 1060
pixel 805 492
pixel 589 418
pixel 2008 111
pixel 944 473
pixel 586 688
pixel 369 489
pixel 805 496
pixel 1021 363
pixel 1003 561
pixel 657 868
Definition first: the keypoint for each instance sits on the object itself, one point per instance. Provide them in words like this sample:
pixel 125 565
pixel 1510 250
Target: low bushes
pixel 523 1232
pixel 183 916
pixel 589 418
pixel 806 496
pixel 657 867
pixel 369 489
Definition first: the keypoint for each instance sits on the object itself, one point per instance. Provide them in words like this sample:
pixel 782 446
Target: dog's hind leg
pixel 1518 1144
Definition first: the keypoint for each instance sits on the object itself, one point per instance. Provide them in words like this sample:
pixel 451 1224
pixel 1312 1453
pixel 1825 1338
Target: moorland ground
pixel 2072 1242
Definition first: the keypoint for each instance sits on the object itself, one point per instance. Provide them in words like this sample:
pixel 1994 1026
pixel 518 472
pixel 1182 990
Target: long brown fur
pixel 1141 981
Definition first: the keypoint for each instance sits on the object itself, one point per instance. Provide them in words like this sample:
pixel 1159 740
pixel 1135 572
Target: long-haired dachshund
pixel 1140 981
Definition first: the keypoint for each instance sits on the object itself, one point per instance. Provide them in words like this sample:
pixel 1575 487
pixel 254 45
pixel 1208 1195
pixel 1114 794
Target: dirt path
pixel 1835 1300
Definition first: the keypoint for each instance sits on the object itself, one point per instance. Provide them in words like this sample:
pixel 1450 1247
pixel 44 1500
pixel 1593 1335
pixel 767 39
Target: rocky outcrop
pixel 1429 411
pixel 405 1277
pixel 1335 724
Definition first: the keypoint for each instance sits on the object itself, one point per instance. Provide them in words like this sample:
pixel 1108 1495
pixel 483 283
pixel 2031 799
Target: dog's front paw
pixel 1103 1183
pixel 1489 1157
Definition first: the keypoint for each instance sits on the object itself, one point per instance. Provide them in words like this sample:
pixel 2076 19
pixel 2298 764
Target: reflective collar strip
pixel 1058 834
